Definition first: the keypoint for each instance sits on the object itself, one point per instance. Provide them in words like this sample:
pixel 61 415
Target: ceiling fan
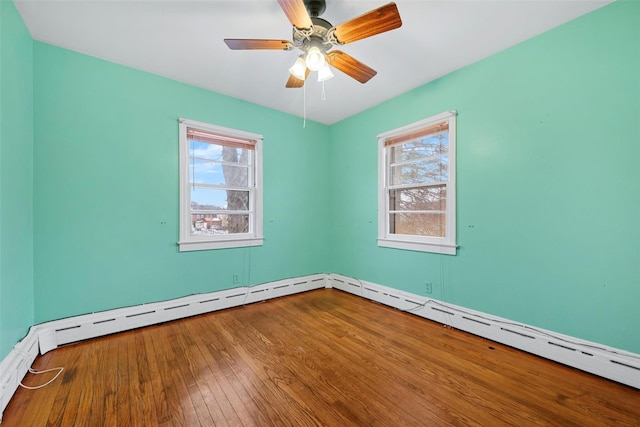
pixel 315 36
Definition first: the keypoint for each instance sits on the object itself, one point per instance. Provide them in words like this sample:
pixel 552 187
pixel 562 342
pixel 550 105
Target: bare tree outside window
pixel 220 187
pixel 419 168
pixel 236 200
pixel 416 186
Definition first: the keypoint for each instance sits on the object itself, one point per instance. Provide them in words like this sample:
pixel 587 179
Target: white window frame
pixel 254 237
pixel 441 245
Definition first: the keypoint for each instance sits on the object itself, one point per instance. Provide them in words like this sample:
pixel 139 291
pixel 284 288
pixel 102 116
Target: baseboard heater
pixel 617 365
pixel 610 363
pixel 45 337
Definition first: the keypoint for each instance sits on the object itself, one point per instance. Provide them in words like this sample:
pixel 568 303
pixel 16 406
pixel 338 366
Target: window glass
pixel 417 186
pixel 221 194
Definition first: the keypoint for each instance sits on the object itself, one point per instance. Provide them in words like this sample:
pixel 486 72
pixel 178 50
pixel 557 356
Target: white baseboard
pixel 78 328
pixel 15 366
pixel 617 365
pixel 48 336
pixel 607 362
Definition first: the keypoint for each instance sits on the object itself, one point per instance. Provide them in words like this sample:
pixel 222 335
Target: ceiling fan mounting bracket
pixel 315 7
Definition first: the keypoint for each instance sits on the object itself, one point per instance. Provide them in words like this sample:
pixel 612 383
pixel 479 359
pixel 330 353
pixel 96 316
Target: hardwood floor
pixel 320 358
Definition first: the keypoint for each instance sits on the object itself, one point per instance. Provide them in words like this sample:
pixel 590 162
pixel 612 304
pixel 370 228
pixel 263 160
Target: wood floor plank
pixel 185 356
pixel 107 376
pixel 181 411
pixel 341 371
pixel 359 362
pixel 200 373
pixel 270 377
pixel 152 408
pixel 126 372
pixel 319 358
pixel 464 383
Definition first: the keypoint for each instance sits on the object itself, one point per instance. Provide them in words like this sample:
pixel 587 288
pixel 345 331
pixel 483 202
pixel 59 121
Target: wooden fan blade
pixel 250 44
pixel 296 12
pixel 295 82
pixel 350 66
pixel 380 20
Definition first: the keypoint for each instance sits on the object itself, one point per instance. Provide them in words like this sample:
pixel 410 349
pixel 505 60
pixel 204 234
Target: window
pixel 220 187
pixel 417 186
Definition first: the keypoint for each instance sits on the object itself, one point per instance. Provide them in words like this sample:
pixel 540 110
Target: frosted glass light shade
pixel 315 59
pixel 299 69
pixel 324 73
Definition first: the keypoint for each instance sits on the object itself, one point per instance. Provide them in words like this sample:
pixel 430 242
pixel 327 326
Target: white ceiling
pixel 183 40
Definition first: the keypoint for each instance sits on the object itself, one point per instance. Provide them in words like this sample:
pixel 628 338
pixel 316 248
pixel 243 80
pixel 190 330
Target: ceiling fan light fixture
pixel 299 69
pixel 315 58
pixel 315 36
pixel 324 73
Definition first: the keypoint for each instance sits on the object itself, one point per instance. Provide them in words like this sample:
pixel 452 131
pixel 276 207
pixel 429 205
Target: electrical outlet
pixel 428 287
pixel 236 279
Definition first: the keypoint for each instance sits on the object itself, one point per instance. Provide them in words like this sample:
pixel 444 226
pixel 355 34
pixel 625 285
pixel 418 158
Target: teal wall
pixel 548 147
pixel 548 183
pixel 106 189
pixel 16 178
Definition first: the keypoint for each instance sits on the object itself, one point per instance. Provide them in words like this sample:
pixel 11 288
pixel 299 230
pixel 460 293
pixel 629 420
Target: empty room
pixel 297 212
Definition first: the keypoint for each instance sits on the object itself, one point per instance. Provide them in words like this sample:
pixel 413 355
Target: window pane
pixel 205 150
pixel 237 200
pixel 431 146
pixel 209 199
pixel 217 224
pixel 419 199
pixel 209 172
pixel 421 172
pixel 423 160
pixel 418 224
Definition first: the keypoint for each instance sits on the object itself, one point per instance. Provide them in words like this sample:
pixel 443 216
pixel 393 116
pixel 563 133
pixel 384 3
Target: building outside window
pixel 220 187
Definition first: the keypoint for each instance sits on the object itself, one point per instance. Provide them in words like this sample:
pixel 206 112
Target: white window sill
pixel 220 244
pixel 438 248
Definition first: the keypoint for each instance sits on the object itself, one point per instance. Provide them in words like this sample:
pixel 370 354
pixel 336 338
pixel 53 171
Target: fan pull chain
pixel 324 95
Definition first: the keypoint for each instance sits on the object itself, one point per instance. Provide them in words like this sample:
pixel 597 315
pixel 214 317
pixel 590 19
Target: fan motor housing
pixel 320 23
pixel 318 37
